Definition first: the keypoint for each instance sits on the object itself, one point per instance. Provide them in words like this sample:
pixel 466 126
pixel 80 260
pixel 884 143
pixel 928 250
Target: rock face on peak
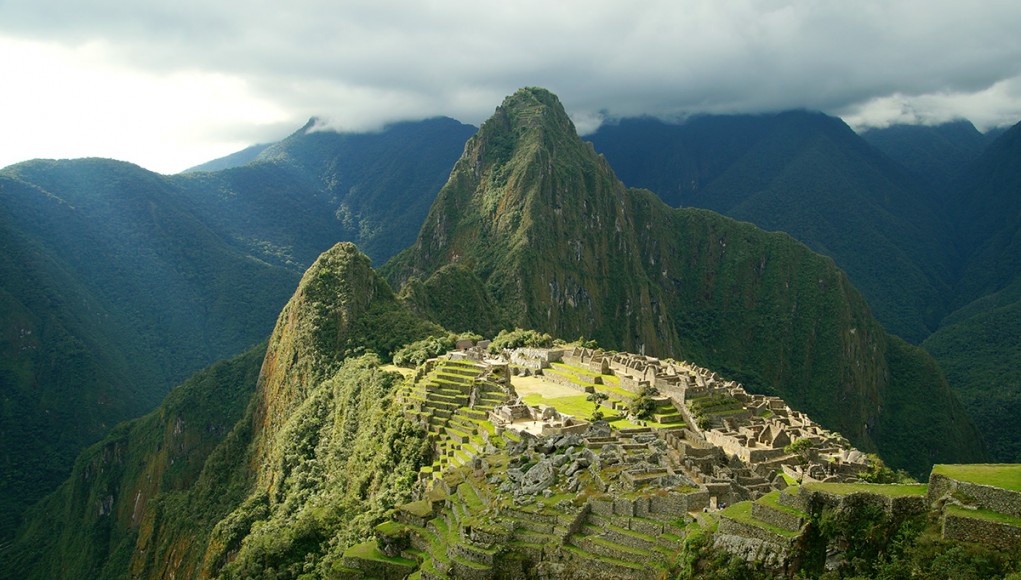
pixel 564 247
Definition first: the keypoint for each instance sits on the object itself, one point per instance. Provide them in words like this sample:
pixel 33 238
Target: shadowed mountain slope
pixel 979 345
pixel 809 175
pixel 936 155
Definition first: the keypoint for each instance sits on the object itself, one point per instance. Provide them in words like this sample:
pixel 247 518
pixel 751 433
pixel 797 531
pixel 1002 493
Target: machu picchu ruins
pixel 543 464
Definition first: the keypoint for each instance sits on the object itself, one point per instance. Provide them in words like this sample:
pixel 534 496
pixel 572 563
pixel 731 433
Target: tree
pixel 597 397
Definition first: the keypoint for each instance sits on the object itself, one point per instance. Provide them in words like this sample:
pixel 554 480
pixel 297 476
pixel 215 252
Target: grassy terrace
pixel 578 406
pixel 575 406
pixel 582 553
pixel 1005 476
pixel 981 514
pixel 742 512
pixel 772 499
pixel 889 490
pixel 369 551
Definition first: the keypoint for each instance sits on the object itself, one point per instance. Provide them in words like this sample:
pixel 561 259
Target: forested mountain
pixel 298 457
pixel 979 345
pixel 933 245
pixel 240 480
pixel 119 283
pixel 557 240
pixel 314 188
pixel 113 292
pixel 935 154
pixel 811 176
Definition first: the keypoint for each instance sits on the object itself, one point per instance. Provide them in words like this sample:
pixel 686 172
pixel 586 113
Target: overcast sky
pixel 169 84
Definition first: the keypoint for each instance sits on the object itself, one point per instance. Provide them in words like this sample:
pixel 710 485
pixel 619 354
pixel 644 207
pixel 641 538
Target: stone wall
pixel 992 498
pixel 970 529
pixel 777 517
pixel 739 528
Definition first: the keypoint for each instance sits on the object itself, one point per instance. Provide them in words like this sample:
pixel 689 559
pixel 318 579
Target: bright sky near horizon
pixel 169 84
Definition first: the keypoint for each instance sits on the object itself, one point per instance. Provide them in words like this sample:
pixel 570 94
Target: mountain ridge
pixel 811 176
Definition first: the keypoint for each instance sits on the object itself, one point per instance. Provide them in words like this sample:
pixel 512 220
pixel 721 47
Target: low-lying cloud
pixel 361 64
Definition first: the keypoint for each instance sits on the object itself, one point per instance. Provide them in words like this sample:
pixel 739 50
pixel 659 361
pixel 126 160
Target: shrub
pixel 519 338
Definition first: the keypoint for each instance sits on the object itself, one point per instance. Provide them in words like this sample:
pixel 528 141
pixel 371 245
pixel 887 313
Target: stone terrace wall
pixel 996 499
pixel 969 529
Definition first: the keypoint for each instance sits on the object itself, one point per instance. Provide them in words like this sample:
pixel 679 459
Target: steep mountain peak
pixel 341 308
pixel 524 174
pixel 530 111
pixel 553 236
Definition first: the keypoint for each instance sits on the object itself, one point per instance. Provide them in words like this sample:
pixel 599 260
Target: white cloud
pixel 71 103
pixel 203 74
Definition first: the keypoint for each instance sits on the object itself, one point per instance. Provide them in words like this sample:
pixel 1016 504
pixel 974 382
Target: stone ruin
pixel 571 498
pixel 535 419
pixel 729 435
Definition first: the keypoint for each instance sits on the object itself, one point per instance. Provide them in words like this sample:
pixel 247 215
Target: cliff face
pixel 558 241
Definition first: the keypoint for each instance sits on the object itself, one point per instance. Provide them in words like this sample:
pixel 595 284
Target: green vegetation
pixel 284 475
pixel 809 175
pixel 1003 476
pixel 878 546
pixel 518 338
pixel 890 490
pixel 979 349
pixel 118 283
pixel 455 297
pixel 642 406
pixel 982 514
pixel 172 473
pixel 578 406
pixel 596 398
pixel 111 292
pixel 418 352
pixel 879 472
pixel 343 460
